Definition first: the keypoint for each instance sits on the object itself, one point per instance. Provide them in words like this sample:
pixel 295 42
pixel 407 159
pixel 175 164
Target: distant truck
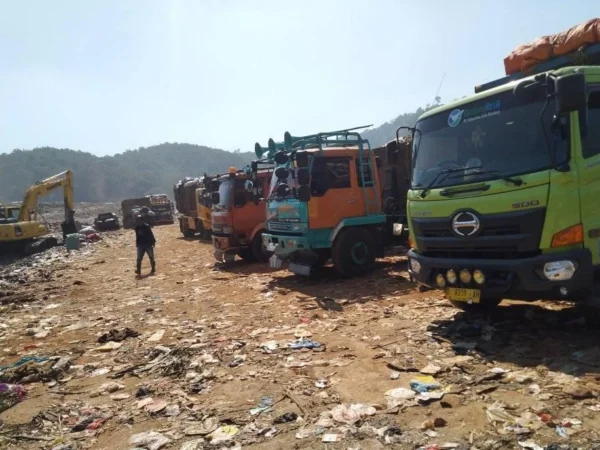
pixel 239 214
pixel 194 202
pixel 157 209
pixel 106 222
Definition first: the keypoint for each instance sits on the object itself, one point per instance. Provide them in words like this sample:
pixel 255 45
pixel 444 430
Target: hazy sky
pixel 108 75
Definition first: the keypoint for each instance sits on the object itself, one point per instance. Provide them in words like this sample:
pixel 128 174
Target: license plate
pixel 463 295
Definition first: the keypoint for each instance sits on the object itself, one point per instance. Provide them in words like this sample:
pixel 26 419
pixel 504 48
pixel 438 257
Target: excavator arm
pixel 29 206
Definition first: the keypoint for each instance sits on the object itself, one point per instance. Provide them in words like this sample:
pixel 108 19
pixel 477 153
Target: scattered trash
pixel 10 395
pixel 322 383
pixel 117 335
pixel 329 437
pixel 430 369
pixel 156 406
pixel 530 445
pixel 152 440
pixel 424 384
pixel 398 397
pixel 350 414
pixel 303 343
pixel 223 434
pixel 497 414
pixel 24 360
pixel 269 346
pixel 285 418
pixel 109 346
pixel 264 405
pixel 156 336
pixel 143 392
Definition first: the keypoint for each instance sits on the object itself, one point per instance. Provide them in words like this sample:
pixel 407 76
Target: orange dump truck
pixel 239 214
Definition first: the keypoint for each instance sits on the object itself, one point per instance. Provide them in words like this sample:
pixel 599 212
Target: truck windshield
pixel 225 194
pixel 499 136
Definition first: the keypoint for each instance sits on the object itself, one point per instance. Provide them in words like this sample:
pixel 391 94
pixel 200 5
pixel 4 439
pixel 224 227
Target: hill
pixel 384 133
pixel 140 172
pixel 134 173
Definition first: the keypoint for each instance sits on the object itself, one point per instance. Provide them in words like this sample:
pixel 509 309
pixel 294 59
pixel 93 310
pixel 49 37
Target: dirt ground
pixel 200 358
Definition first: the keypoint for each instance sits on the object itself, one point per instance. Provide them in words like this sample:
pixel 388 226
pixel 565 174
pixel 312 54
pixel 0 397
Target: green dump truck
pixel 505 190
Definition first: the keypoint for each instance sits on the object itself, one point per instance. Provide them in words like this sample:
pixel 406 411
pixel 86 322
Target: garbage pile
pixel 198 359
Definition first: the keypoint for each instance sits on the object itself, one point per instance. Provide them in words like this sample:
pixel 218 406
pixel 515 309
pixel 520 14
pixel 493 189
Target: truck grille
pixel 279 226
pixel 505 235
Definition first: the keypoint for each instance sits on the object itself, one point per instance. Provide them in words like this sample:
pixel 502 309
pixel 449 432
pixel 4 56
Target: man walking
pixel 144 241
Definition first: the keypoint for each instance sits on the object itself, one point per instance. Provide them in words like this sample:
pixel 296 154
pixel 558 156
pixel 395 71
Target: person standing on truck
pixel 145 242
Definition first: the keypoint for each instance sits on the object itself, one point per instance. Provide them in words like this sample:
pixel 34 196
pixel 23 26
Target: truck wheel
pixel 188 234
pixel 259 250
pixel 247 255
pixel 485 304
pixel 354 252
pixel 200 229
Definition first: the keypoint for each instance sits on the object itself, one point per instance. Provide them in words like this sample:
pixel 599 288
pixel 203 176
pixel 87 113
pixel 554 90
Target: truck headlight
pixel 298 228
pixel 559 270
pixel 415 265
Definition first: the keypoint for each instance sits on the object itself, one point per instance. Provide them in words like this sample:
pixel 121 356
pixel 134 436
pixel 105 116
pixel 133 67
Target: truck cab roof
pixel 509 85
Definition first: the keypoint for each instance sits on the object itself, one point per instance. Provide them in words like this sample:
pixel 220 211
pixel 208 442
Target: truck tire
pixel 247 255
pixel 259 250
pixel 486 304
pixel 200 229
pixel 354 252
pixel 188 233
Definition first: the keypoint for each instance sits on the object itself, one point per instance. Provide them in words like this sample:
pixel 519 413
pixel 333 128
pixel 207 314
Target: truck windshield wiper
pixel 441 176
pixel 514 181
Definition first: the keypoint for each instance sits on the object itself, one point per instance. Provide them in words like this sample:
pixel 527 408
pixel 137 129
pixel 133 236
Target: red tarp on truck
pixel 526 56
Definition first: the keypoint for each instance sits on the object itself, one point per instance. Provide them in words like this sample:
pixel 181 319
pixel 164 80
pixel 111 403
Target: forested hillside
pixel 386 132
pixel 112 178
pixel 140 172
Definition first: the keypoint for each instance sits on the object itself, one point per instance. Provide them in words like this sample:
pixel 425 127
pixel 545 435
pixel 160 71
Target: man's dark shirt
pixel 144 236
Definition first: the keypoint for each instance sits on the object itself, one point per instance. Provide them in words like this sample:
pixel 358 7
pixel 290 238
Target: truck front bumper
pixel 225 247
pixel 517 279
pixel 288 251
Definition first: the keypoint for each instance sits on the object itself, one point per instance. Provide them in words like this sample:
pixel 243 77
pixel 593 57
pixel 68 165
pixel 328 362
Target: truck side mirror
pixel 304 193
pixel 571 93
pixel 214 185
pixel 302 159
pixel 216 198
pixel 303 176
pixel 248 185
pixel 254 166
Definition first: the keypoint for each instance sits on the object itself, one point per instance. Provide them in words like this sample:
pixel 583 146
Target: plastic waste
pixel 303 343
pixel 264 405
pixel 399 397
pixel 350 414
pixel 497 414
pixel 117 335
pixel 286 418
pixel 223 434
pixel 152 440
pixel 10 395
pixel 24 360
pixel 424 384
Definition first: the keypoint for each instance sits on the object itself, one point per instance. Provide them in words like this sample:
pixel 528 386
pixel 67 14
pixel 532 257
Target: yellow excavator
pixel 19 226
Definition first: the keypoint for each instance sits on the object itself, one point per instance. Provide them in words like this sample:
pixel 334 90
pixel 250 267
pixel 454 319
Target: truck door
pixel 333 192
pixel 589 179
